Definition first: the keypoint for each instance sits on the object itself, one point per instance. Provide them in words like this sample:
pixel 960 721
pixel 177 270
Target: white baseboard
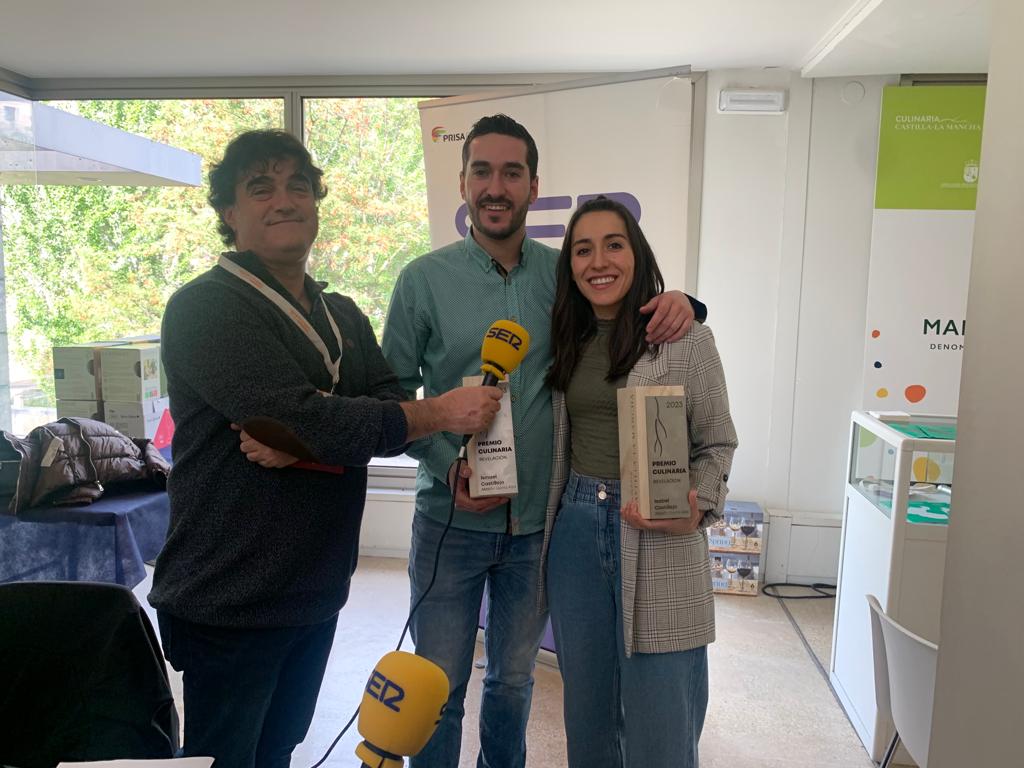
pixel 389 552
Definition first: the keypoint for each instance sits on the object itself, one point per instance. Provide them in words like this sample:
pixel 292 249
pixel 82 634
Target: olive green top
pixel 593 410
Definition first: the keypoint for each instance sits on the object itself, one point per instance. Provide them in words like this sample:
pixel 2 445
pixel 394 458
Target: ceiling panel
pixel 128 38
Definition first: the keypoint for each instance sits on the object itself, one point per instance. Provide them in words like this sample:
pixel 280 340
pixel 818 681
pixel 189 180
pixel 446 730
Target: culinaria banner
pixel 925 190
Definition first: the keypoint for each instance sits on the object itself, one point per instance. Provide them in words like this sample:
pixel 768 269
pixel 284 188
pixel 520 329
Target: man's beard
pixel 518 218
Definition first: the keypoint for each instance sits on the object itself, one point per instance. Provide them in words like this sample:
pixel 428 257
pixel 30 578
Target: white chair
pixel 904 683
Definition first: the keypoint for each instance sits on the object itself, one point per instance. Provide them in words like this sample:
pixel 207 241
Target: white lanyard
pixel 333 366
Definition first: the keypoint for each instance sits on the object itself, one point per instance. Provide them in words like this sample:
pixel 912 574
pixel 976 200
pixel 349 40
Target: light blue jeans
pixel 444 631
pixel 645 711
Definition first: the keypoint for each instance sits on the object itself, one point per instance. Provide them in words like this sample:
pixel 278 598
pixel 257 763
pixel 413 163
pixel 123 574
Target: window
pixel 374 219
pixel 95 262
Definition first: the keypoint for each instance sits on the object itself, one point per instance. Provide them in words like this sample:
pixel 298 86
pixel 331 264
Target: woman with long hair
pixel 630 598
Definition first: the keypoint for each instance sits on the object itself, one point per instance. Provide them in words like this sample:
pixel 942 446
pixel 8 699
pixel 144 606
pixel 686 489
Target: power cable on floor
pixel 820 589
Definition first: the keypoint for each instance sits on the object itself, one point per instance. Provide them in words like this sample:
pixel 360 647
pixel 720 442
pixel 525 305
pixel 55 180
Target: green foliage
pixel 374 218
pixel 89 263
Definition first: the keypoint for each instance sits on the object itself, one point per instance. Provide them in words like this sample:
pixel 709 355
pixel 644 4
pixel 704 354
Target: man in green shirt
pixel 442 306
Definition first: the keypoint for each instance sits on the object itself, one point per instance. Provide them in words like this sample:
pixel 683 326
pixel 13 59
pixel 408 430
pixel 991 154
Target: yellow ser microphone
pixel 402 705
pixel 505 345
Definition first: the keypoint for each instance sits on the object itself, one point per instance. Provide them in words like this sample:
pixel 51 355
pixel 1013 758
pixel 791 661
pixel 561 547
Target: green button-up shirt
pixel 442 306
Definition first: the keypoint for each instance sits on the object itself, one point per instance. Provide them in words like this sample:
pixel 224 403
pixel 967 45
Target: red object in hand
pixel 332 468
pixel 276 435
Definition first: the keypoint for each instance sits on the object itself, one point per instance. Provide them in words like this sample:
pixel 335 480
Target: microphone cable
pixel 437 555
pixel 412 611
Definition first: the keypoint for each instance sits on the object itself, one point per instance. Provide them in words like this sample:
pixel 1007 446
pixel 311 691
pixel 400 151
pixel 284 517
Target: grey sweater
pixel 248 546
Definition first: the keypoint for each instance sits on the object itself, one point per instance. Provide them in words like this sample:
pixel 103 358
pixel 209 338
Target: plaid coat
pixel 667 603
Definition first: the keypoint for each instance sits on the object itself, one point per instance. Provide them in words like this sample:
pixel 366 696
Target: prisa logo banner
pixel 441 135
pixel 554 203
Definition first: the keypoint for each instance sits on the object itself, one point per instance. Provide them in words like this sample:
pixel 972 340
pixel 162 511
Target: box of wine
pixel 77 371
pixel 148 338
pixel 131 372
pixel 654 450
pixel 139 419
pixel 80 409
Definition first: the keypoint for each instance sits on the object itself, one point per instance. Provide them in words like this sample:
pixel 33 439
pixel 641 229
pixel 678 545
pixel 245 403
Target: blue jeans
pixel 645 710
pixel 444 630
pixel 249 693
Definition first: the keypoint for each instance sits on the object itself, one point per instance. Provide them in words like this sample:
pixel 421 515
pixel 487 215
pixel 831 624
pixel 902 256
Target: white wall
pixel 784 246
pixel 739 265
pixel 978 718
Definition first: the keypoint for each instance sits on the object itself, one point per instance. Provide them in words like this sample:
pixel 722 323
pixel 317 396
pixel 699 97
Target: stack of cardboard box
pixel 119 382
pixel 736 545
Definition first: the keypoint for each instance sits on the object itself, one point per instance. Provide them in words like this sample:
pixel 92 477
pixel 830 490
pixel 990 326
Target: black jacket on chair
pixel 82 676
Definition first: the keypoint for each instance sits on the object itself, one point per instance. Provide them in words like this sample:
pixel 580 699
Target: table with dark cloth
pixel 109 540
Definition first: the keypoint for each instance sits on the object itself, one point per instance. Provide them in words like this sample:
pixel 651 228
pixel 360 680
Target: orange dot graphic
pixel 915 393
pixel 883 392
pixel 875 334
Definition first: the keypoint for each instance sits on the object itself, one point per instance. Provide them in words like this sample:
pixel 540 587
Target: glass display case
pixel 899 481
pixel 927 443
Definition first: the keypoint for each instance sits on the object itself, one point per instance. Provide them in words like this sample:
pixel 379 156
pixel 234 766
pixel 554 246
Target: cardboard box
pixel 80 409
pixel 77 371
pixel 735 573
pixel 148 338
pixel 654 450
pixel 139 419
pixel 741 528
pixel 131 372
pixel 736 547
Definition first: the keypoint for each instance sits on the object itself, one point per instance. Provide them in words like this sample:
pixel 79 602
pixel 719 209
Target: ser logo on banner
pixel 554 203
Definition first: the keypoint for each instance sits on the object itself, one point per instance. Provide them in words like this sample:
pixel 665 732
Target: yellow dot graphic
pixel 883 392
pixel 926 470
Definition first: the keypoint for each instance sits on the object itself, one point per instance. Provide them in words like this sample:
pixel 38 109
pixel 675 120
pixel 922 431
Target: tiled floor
pixel 814 617
pixel 769 705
